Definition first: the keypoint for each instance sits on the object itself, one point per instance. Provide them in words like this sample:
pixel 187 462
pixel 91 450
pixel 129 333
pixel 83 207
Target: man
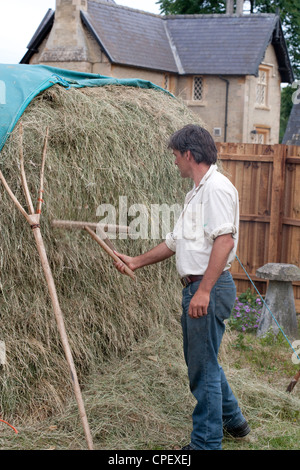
pixel 204 241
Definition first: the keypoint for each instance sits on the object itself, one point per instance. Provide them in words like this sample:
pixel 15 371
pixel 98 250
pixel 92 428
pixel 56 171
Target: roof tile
pixel 131 37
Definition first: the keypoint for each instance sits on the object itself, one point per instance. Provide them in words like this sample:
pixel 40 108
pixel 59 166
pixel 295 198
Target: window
pixel 262 135
pixel 260 138
pixel 262 87
pixel 198 89
pixel 169 82
pixel 166 83
pixel 217 132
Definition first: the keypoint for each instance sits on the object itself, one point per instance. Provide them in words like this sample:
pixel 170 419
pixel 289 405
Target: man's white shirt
pixel 211 209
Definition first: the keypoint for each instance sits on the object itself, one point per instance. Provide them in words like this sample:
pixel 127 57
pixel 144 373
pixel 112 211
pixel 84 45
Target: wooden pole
pixel 105 238
pixel 41 190
pixel 13 197
pixel 33 220
pixel 23 176
pixel 109 251
pixel 72 224
pixel 61 327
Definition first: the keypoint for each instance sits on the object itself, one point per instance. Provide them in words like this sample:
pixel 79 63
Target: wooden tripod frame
pixel 33 218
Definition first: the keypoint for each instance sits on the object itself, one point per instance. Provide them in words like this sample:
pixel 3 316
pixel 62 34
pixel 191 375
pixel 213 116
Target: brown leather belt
pixel 185 281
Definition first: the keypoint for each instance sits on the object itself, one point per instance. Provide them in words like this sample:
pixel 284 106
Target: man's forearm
pixel 155 255
pixel 217 262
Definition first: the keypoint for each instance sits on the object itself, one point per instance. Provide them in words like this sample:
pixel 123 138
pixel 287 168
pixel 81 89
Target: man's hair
pixel 196 139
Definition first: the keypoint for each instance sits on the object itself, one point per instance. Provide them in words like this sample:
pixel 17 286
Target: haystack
pixel 104 143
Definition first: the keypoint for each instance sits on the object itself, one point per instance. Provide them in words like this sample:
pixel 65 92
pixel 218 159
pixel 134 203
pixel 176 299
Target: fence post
pixel 277 191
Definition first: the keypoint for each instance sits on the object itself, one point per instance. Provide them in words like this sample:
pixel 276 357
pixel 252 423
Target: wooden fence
pixel 267 178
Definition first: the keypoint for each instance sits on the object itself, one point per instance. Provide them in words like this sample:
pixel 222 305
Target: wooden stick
pixel 61 327
pixel 13 197
pixel 72 224
pixel 109 251
pixel 104 237
pixel 23 176
pixel 41 190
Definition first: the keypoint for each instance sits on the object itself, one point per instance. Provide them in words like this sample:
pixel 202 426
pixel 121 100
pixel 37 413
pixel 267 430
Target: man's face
pixel 183 163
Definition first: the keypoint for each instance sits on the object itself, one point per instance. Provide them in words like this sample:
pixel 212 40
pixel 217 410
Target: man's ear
pixel 189 156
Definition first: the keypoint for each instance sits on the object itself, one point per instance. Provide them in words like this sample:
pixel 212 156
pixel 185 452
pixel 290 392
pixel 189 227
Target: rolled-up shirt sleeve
pixel 170 241
pixel 223 230
pixel 220 214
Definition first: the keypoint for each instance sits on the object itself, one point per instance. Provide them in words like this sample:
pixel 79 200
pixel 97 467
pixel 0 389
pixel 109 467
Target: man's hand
pixel 124 259
pixel 155 255
pixel 199 303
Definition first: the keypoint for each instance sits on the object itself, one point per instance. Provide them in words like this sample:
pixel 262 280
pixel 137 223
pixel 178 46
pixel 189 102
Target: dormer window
pixel 262 87
pixel 198 88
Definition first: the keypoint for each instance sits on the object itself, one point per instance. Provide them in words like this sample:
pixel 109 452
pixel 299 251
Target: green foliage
pixel 240 343
pixel 246 312
pixel 285 109
pixel 248 297
pixel 189 7
pixel 270 338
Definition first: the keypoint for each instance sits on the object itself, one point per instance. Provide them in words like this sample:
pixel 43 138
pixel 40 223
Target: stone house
pixel 227 68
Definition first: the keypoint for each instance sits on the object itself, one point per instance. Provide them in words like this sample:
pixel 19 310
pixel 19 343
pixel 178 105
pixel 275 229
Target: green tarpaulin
pixel 21 83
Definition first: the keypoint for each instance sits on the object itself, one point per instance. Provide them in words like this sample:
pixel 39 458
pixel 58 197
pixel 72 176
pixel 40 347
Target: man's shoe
pixel 188 447
pixel 239 431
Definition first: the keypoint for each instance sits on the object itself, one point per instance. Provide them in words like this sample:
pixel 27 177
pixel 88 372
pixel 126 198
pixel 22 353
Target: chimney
pixel 229 7
pixel 67 41
pixel 238 9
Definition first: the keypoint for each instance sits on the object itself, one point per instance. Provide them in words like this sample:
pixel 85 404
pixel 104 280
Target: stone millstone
pixel 279 299
pixel 279 272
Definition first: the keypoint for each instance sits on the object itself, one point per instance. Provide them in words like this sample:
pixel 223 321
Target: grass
pixel 141 401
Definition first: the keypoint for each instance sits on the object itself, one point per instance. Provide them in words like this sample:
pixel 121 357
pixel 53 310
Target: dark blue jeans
pixel 216 405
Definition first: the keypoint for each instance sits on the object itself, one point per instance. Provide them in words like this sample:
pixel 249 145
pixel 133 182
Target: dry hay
pixel 143 402
pixel 103 143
